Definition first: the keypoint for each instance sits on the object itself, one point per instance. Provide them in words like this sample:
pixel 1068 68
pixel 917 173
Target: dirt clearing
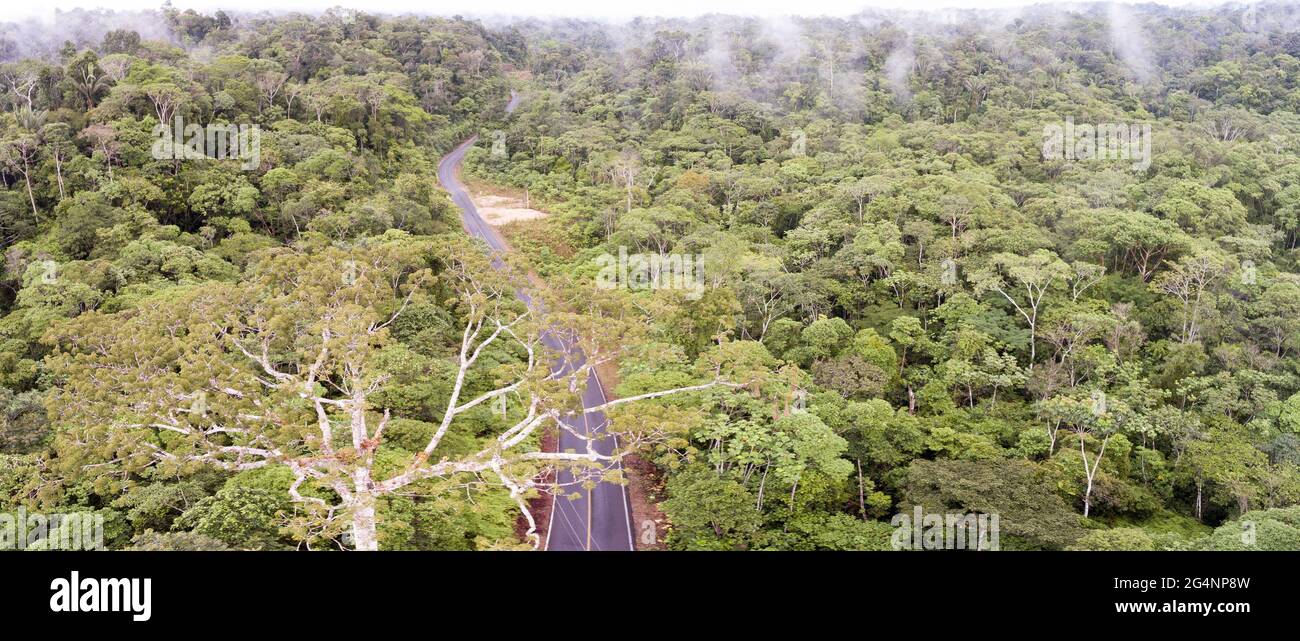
pixel 498 207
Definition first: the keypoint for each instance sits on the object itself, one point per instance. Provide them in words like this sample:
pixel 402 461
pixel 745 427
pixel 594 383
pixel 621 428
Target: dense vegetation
pixel 912 305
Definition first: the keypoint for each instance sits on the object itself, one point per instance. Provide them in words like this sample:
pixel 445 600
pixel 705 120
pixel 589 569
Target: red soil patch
pixel 542 504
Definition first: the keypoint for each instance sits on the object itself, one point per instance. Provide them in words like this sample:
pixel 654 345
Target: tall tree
pixel 288 370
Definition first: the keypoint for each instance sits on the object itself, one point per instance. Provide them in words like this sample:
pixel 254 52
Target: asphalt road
pixel 599 518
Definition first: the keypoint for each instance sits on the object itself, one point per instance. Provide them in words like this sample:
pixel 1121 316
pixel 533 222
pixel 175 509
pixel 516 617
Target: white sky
pixel 571 8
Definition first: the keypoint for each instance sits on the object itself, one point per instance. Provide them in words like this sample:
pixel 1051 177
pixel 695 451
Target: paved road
pixel 600 518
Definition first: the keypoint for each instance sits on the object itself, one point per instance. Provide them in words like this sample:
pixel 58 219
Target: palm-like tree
pixel 87 78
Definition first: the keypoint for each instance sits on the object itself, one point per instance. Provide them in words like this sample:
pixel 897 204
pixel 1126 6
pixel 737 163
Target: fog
pixel 787 39
pixel 42 38
pixel 898 68
pixel 1129 41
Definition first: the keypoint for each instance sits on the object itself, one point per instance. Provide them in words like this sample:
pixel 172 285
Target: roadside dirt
pixel 499 210
pixel 500 206
pixel 540 505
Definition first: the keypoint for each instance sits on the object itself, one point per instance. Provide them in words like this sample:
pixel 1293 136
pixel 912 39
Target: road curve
pixel 596 519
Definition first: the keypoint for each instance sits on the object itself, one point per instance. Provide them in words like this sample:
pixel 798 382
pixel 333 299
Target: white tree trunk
pixel 1087 498
pixel 363 523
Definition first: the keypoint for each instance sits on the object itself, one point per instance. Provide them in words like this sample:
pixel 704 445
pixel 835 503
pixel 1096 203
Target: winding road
pixel 599 518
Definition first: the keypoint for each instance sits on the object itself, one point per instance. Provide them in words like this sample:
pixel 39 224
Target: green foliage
pixel 1030 514
pixel 246 518
pixel 709 512
pixel 1129 539
pixel 834 532
pixel 150 541
pixel 1275 529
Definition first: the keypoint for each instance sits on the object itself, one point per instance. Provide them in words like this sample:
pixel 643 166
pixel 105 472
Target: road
pixel 599 518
